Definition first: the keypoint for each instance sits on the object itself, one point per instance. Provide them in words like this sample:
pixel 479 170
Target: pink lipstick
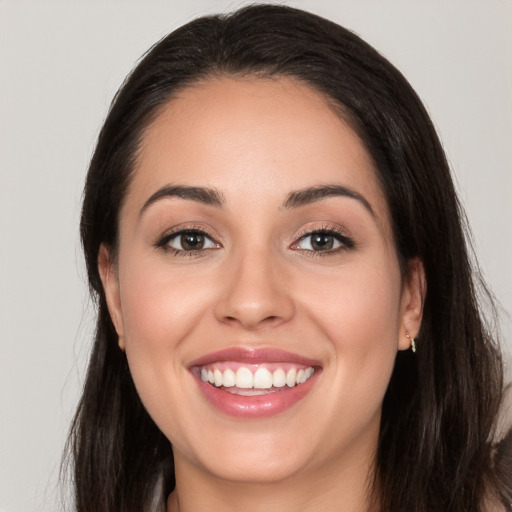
pixel 254 383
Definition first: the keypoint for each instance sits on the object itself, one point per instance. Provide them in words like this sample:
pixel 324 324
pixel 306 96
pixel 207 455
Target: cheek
pixel 358 312
pixel 160 311
pixel 160 307
pixel 357 303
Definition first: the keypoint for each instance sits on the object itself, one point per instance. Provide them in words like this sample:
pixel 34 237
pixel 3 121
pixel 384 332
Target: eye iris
pixel 192 241
pixel 322 242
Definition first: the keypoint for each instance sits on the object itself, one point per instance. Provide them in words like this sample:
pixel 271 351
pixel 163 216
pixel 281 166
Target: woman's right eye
pixel 187 241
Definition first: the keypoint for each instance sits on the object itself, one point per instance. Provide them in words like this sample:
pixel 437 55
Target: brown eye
pixel 322 241
pixel 328 241
pixel 192 241
pixel 187 241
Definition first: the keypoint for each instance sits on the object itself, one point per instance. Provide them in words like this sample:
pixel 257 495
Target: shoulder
pixel 496 506
pixel 502 456
pixel 158 502
pixel 504 424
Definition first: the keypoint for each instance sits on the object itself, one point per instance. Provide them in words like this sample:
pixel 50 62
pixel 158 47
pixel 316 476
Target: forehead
pixel 253 137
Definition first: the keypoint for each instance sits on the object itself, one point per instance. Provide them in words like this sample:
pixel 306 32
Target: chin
pixel 252 457
pixel 255 469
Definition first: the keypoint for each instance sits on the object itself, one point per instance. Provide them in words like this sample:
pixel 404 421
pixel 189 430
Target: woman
pixel 286 311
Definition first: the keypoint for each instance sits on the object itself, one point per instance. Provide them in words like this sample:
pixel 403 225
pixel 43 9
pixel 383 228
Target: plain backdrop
pixel 60 65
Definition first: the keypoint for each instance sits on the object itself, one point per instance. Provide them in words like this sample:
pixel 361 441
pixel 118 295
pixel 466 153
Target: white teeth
pixel 228 378
pixel 217 375
pixel 262 378
pixel 291 378
pixel 244 378
pixel 279 378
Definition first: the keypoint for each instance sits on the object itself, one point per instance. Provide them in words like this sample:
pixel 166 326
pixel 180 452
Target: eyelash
pixel 346 243
pixel 193 230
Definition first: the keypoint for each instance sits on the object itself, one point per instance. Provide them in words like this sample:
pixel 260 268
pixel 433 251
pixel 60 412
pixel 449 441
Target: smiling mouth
pixel 254 379
pixel 251 384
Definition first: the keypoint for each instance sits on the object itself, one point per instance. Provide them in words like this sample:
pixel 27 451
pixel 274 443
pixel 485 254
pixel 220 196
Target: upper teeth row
pixel 261 379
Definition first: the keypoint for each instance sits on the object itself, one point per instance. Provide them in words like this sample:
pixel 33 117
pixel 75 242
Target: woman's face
pixel 256 250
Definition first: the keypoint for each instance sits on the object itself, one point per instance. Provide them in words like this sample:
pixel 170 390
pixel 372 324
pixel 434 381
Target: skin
pixel 260 284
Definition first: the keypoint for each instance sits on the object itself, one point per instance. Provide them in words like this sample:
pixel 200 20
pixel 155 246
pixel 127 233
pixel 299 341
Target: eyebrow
pixel 208 196
pixel 312 194
pixel 295 199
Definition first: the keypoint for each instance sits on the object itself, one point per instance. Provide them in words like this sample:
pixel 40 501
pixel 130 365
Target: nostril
pixel 252 323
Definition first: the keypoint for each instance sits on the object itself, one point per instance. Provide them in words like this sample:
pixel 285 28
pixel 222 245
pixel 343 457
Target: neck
pixel 328 488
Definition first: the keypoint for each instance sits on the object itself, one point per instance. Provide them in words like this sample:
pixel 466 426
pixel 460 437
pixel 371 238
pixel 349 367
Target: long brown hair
pixel 440 408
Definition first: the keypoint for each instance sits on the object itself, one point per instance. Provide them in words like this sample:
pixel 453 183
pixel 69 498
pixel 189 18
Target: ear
pixel 413 298
pixel 110 284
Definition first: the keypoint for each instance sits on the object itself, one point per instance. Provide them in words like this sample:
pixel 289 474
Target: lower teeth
pixel 251 392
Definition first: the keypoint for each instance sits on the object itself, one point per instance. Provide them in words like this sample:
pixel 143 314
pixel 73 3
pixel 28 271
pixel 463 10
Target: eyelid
pixel 163 241
pixel 346 241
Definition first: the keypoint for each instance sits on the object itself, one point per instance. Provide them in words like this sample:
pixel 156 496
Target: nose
pixel 255 292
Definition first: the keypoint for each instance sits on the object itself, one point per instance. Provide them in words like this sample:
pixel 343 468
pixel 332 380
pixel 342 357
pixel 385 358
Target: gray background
pixel 60 64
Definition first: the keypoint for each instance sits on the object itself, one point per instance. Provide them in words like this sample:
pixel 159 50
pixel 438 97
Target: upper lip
pixel 253 356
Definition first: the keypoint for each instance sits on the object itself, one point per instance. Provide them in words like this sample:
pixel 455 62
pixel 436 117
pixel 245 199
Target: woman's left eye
pixel 187 241
pixel 323 241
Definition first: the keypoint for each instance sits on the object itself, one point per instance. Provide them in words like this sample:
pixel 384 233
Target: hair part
pixel 440 408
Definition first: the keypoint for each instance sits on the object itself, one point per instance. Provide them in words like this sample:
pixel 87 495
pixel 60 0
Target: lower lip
pixel 259 406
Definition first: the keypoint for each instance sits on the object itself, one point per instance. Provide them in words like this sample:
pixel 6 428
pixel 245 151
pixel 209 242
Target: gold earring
pixel 411 339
